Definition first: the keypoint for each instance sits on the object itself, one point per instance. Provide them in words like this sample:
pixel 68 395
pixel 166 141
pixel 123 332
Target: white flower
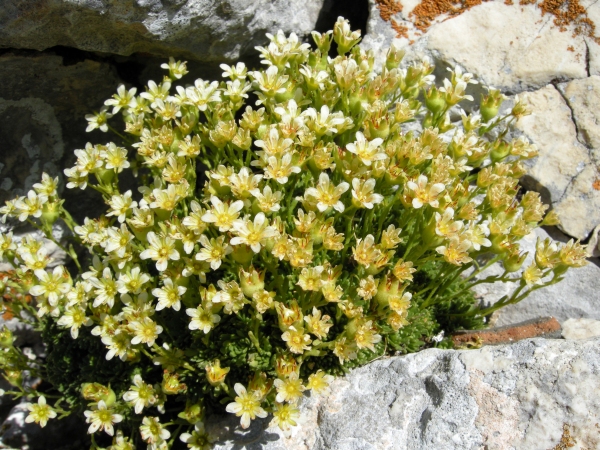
pixel 367 151
pixel 162 249
pixel 202 319
pixel 253 234
pixel 327 194
pixel 213 251
pixel 363 194
pixel 169 295
pixel 246 405
pixel 51 285
pixel 102 419
pixel 40 413
pixel 141 395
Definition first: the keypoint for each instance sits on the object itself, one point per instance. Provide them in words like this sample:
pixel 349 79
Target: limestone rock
pixel 207 30
pixel 565 170
pixel 504 397
pixel 574 297
pixel 511 47
pixel 583 97
pixel 580 328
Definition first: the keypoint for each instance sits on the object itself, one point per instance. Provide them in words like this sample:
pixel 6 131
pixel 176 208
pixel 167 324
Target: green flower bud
pixel 490 104
pixel 6 338
pixel 434 100
pixel 251 281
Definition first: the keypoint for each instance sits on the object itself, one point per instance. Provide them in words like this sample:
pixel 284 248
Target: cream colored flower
pixel 289 389
pixel 102 419
pixel 296 340
pixel 169 296
pixel 202 319
pixel 40 413
pixel 424 192
pixel 254 234
pixel 213 251
pixel 162 249
pixel 367 151
pixel 221 214
pixel 140 395
pixel 246 405
pixel 363 194
pixel 327 194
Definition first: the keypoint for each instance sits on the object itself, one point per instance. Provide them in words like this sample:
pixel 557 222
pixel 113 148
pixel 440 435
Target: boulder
pixel 565 172
pixel 206 30
pixel 534 394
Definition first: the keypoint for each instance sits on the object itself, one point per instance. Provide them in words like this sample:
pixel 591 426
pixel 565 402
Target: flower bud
pixel 500 150
pixel 394 57
pixel 96 392
pixel 434 100
pixel 171 384
pixel 251 281
pixel 215 374
pixel 193 413
pixel 490 104
pixel 388 287
pixel 260 384
pixel 514 261
pixel 6 338
pixel 285 365
pixel 242 254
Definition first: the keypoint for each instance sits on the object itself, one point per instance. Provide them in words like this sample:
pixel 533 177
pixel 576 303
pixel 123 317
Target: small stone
pixel 581 328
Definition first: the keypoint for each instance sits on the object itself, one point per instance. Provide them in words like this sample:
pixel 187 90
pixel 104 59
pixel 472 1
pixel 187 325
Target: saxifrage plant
pixel 290 223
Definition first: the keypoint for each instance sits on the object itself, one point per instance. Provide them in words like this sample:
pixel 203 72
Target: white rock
pixel 511 47
pixel 580 328
pixel 564 172
pixel 207 30
pixel 583 96
pixel 515 396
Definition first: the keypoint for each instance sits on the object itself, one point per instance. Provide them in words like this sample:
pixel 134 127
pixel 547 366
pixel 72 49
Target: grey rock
pixel 565 170
pixel 207 30
pixel 505 397
pixel 580 328
pixel 576 296
pixel 43 102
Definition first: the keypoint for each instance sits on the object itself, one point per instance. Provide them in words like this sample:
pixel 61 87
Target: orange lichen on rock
pixel 570 12
pixel 428 10
pixel 388 8
pixel 565 12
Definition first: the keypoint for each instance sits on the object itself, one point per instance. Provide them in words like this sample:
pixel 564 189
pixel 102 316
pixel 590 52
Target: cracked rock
pixel 500 398
pixel 565 171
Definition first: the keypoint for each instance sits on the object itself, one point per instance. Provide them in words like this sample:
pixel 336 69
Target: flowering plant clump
pixel 287 226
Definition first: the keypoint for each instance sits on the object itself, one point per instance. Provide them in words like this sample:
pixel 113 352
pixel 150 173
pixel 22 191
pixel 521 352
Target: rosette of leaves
pixel 290 223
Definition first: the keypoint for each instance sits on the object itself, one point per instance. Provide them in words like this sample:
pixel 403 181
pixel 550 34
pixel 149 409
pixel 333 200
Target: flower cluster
pixel 290 222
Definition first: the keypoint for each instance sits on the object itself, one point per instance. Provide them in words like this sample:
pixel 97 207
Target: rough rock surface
pixel 581 328
pixel 574 297
pixel 511 47
pixel 207 30
pixel 565 170
pixel 516 396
